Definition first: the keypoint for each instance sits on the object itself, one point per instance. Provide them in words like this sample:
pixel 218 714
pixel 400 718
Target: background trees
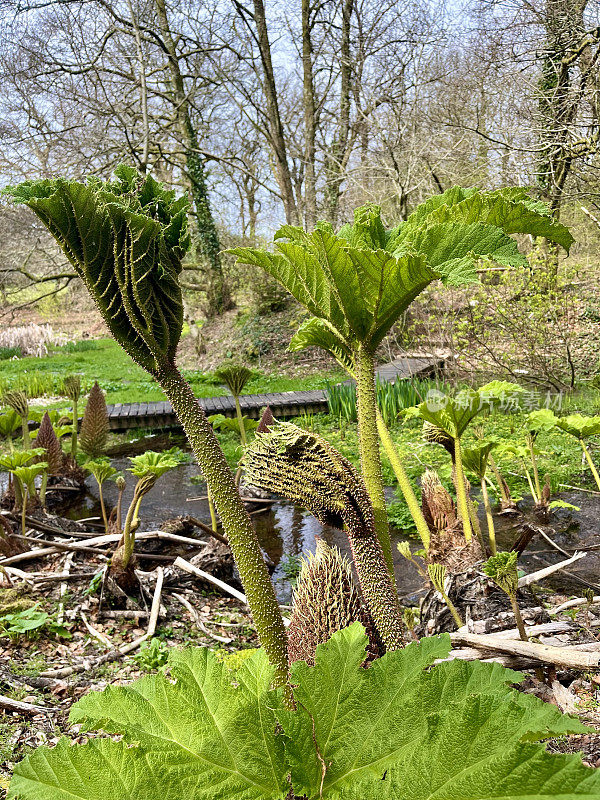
pixel 271 112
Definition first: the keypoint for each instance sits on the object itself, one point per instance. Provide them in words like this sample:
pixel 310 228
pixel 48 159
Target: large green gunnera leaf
pixel 400 729
pixel 360 280
pixel 197 737
pixel 126 239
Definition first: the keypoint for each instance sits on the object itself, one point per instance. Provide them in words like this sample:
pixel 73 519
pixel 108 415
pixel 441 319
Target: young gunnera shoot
pixel 129 257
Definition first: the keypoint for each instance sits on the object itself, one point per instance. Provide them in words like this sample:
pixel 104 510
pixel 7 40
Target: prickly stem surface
pixel 234 517
pixel 370 455
pixel 303 467
pixel 461 492
pixel 403 481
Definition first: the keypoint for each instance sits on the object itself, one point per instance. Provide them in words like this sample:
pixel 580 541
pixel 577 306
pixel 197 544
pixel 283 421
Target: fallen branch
pixel 207 529
pixel 559 656
pixel 576 601
pixel 23 708
pixel 200 573
pixel 534 577
pixel 101 637
pixel 225 587
pixel 197 620
pixel 124 649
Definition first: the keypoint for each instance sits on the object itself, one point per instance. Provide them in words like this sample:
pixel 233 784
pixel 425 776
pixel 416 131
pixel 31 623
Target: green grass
pixel 559 455
pixel 121 379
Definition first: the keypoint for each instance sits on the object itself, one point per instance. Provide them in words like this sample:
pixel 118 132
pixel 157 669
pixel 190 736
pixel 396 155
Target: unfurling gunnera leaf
pixel 129 256
pixel 398 730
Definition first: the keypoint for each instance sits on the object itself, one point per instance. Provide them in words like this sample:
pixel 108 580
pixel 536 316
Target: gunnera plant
pixel 49 441
pixel 126 239
pixel 94 425
pixel 72 390
pixel 235 377
pixel 358 282
pixel 18 402
pixel 304 468
pixel 325 601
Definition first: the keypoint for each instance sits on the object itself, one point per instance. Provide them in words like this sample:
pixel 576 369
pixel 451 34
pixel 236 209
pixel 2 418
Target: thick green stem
pixel 489 517
pixel 378 589
pixel 128 536
pixel 403 481
pixel 461 491
pixel 240 419
pixel 370 455
pixel 24 512
pixel 74 431
pixel 475 520
pixel 18 487
pixel 503 494
pixel 536 476
pixel 591 464
pixel 119 509
pixel 103 507
pixel 529 481
pixel 236 521
pixel 518 618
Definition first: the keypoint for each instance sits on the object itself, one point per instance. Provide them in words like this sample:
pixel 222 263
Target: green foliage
pixel 130 257
pixel 232 423
pixel 502 569
pixel 234 376
pixel 455 731
pixel 453 414
pixel 359 281
pixel 578 425
pixel 101 469
pixel 9 422
pixel 10 352
pixel 19 458
pixel 30 623
pixel 475 459
pixel 152 463
pixel 153 655
pixel 400 517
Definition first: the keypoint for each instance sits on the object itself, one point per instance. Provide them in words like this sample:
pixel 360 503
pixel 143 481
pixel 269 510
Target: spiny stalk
pixel 304 468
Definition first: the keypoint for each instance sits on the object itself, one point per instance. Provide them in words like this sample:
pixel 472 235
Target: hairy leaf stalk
pixel 591 464
pixel 303 467
pixel 403 481
pixel 370 455
pixel 142 487
pixel 236 522
pixel 461 492
pixel 489 516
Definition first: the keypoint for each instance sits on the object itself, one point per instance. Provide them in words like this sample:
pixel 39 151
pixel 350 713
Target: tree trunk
pixel 338 154
pixel 217 291
pixel 310 195
pixel 276 137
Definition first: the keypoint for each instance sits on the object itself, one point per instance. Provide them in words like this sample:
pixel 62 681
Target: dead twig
pixel 534 577
pixel 197 620
pixel 20 707
pixel 546 654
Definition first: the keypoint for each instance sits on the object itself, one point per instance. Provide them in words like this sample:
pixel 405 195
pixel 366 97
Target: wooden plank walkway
pixel 124 416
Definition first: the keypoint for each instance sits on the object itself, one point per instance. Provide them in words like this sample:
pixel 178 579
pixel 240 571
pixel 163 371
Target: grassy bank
pixel 122 380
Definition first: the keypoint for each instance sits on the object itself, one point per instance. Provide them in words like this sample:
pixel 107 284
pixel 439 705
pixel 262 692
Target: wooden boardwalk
pixel 124 416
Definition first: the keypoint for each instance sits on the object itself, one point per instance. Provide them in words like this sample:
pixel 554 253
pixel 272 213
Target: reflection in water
pixel 287 530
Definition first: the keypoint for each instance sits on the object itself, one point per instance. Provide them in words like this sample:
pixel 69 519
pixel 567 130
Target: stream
pixel 287 531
